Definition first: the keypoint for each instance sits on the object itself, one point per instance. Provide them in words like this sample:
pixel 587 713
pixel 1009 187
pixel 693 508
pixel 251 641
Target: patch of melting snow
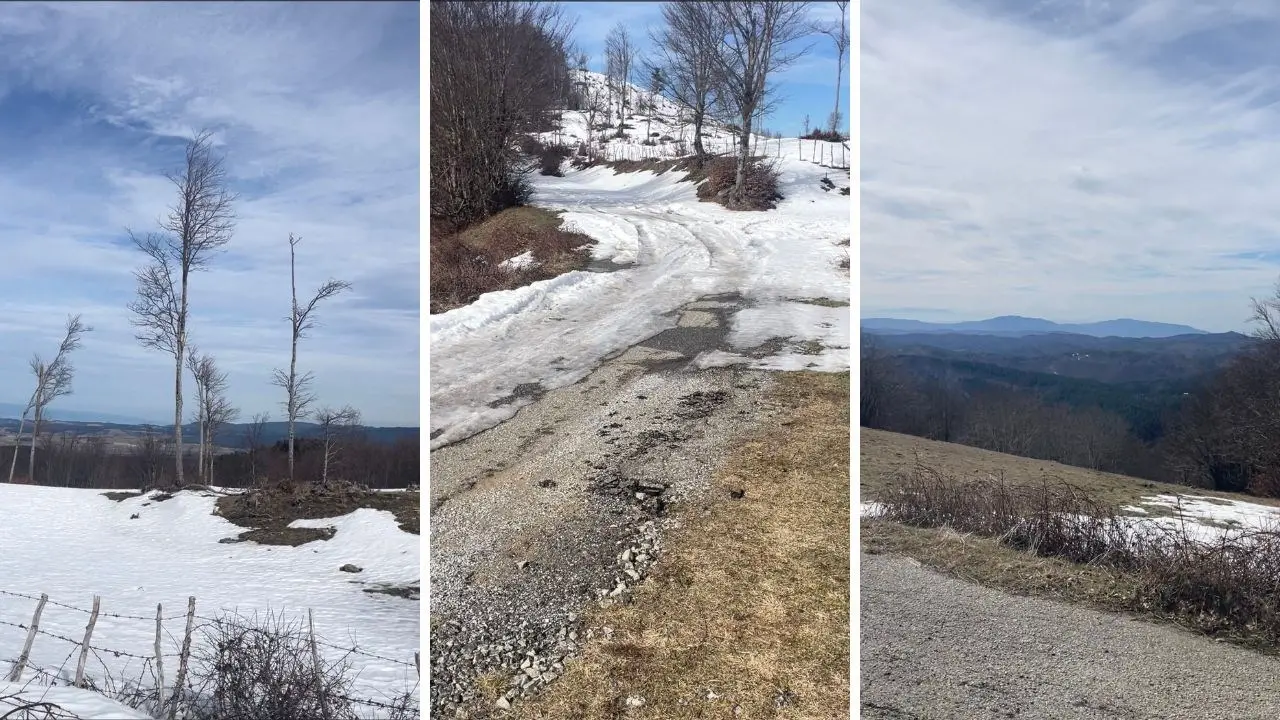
pixel 520 262
pixel 1195 508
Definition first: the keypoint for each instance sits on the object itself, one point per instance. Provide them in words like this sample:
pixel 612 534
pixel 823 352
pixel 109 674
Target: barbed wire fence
pixel 164 700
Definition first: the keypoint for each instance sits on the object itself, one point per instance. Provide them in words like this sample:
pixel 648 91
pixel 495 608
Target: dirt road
pixel 565 504
pixel 937 647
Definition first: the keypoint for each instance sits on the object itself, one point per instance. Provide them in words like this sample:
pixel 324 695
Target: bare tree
pixel 213 408
pixel 838 31
pixel 53 380
pixel 298 387
pixel 620 57
pixel 683 46
pixel 335 425
pixel 148 457
pixel 198 225
pixel 496 73
pixel 757 42
pixel 595 102
pixel 253 436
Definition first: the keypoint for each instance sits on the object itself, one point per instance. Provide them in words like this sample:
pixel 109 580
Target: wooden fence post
pixel 16 675
pixel 417 663
pixel 182 660
pixel 315 658
pixel 84 646
pixel 159 658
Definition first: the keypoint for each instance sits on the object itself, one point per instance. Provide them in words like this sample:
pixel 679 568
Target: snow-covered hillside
pixel 671 249
pixel 135 553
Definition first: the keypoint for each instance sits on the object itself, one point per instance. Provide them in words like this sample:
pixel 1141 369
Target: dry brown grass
pixel 749 607
pixel 467 264
pixel 984 561
pixel 885 455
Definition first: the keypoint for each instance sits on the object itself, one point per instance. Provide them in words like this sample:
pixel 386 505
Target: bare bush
pixel 264 668
pixel 475 171
pixel 1221 583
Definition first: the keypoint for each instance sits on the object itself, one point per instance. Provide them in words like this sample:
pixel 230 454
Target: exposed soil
pixel 120 496
pixel 268 512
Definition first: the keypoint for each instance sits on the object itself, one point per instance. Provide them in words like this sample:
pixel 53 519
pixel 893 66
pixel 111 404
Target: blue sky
pixel 807 87
pixel 315 106
pixel 1075 160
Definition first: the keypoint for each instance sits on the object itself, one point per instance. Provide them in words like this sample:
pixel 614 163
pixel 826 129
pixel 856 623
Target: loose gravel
pixel 563 508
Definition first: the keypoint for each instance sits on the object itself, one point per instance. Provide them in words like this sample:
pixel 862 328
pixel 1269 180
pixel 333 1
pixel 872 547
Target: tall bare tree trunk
pixel 31 457
pixel 293 359
pixel 17 445
pixel 177 381
pixel 200 460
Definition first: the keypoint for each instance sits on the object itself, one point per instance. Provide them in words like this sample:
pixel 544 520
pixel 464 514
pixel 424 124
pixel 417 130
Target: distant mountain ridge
pixel 1018 326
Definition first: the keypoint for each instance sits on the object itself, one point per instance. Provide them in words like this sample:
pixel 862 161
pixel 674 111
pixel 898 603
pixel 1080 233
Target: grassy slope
pixel 883 454
pixel 749 608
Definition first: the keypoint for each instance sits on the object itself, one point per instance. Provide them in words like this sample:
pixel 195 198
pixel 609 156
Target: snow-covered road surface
pixel 490 358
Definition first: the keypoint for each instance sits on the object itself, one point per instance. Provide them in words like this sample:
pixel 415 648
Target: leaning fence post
pixel 315 658
pixel 159 658
pixel 417 663
pixel 176 697
pixel 16 675
pixel 84 646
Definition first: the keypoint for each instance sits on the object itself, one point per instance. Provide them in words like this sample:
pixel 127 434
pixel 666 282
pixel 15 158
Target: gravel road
pixel 937 647
pixel 564 505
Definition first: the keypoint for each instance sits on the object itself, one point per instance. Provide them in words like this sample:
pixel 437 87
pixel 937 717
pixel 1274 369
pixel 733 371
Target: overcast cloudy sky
pixel 1070 159
pixel 807 87
pixel 316 109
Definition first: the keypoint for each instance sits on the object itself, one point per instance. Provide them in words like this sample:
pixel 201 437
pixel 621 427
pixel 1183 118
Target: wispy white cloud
pixel 1071 160
pixel 316 108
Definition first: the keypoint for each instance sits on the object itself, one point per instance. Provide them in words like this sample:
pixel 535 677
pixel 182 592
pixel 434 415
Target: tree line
pixel 197 228
pixel 500 70
pixel 1223 434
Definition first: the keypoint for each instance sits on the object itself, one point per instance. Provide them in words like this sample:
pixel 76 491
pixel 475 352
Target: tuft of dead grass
pixel 747 613
pixel 467 264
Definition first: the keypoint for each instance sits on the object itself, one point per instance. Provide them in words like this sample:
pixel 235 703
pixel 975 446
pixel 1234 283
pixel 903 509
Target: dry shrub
pixel 760 184
pixel 1226 584
pixel 828 136
pixel 549 157
pixel 262 668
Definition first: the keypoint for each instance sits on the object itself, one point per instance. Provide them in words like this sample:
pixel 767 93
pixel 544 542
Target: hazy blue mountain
pixel 1016 326
pixel 14 411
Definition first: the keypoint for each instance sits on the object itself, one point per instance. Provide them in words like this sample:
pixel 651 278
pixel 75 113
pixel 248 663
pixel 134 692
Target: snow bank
pixel 73 544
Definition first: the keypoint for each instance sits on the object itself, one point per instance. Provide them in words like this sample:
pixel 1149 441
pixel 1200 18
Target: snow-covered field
pixel 73 544
pixel 674 249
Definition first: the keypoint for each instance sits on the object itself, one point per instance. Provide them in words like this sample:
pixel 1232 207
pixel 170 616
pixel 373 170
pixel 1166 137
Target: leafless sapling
pixel 298 395
pixel 53 380
pixel 254 433
pixel 838 31
pixel 620 57
pixel 198 225
pixel 213 408
pixel 335 426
